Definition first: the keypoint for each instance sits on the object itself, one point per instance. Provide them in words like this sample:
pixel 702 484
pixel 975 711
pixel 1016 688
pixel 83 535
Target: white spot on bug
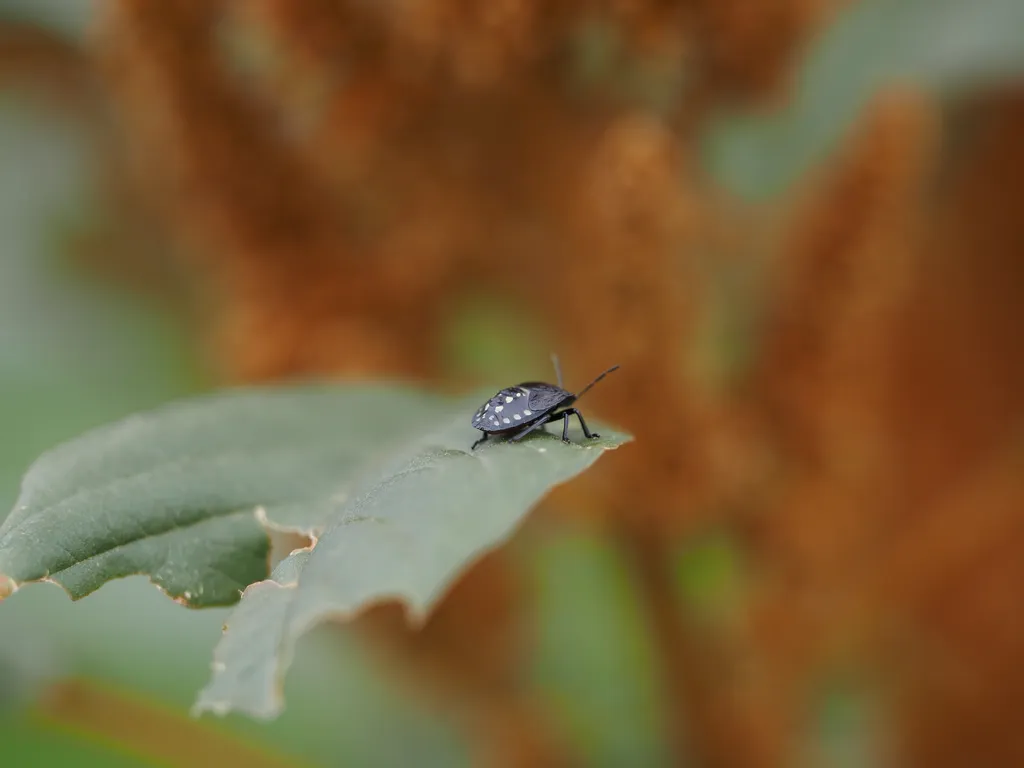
pixel 508 399
pixel 519 394
pixel 516 416
pixel 506 421
pixel 500 408
pixel 487 407
pixel 527 412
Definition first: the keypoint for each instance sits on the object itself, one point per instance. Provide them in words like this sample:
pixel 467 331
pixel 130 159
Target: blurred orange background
pixel 797 226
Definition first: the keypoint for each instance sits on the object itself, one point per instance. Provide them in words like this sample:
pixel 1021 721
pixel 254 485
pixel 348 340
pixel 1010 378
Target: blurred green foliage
pixel 942 46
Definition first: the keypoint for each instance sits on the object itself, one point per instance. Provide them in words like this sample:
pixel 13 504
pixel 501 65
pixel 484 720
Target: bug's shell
pixel 519 406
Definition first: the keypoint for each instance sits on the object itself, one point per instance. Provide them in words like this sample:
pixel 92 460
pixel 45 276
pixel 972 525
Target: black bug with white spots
pixel 517 411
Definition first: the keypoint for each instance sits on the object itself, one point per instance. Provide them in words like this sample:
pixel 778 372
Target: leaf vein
pixel 157 533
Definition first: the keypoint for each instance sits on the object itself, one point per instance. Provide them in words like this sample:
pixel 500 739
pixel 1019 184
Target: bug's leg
pixel 536 425
pixel 586 432
pixel 565 427
pixel 473 447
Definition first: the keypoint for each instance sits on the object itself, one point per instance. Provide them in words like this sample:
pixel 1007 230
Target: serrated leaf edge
pixel 415 616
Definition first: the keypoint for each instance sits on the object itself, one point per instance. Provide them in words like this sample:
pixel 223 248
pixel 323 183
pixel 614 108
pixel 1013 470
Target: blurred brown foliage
pixel 337 175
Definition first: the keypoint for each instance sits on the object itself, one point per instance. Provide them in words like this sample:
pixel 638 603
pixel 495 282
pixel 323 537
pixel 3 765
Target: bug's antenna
pixel 558 368
pixel 613 368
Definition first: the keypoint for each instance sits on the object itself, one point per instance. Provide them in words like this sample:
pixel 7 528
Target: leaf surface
pixel 381 479
pixel 405 532
pixel 174 493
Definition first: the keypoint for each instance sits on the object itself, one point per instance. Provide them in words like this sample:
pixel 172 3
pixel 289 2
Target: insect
pixel 519 410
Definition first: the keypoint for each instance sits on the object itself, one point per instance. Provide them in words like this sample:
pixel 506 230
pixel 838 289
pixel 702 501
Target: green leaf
pixel 380 478
pixel 405 532
pixel 172 493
